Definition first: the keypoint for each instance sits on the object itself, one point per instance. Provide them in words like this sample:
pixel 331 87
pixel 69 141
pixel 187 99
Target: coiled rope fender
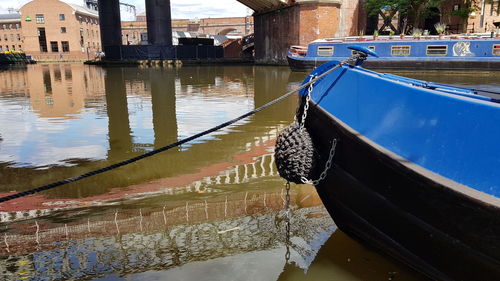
pixel 294 154
pixel 164 148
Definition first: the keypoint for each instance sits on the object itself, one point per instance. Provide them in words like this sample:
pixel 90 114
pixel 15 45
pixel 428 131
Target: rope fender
pixel 294 154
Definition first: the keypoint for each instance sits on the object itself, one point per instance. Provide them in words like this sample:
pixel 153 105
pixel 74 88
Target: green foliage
pixel 411 12
pixel 463 12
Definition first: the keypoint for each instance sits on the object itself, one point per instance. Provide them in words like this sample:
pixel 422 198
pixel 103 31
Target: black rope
pixel 167 147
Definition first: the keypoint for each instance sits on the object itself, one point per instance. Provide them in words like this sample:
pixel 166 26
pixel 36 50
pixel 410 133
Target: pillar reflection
pixel 163 106
pixel 119 133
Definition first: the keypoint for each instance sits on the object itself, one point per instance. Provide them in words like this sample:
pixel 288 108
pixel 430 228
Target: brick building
pixel 135 32
pixel 52 29
pixel 10 33
pixel 487 13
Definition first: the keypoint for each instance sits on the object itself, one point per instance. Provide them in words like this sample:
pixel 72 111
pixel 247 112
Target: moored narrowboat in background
pixel 448 53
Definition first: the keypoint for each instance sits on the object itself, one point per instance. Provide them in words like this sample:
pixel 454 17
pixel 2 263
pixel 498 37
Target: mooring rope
pixel 167 147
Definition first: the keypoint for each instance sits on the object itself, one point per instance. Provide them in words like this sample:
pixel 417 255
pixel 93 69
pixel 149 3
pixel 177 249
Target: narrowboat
pixel 415 171
pixel 450 53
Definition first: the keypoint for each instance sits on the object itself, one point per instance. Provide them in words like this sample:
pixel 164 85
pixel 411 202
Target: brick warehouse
pixel 51 29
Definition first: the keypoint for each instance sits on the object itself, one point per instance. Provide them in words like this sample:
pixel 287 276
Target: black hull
pixel 306 66
pixel 426 222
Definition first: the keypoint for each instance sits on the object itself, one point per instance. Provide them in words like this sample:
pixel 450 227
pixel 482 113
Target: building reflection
pixel 58 96
pixel 89 117
pixel 177 234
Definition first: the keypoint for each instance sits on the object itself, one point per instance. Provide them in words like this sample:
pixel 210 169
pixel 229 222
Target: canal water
pixel 211 209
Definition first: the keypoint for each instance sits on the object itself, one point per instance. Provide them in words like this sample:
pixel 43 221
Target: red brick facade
pixel 71 32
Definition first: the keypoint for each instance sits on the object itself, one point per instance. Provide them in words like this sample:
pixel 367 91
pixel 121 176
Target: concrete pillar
pixel 110 23
pixel 159 22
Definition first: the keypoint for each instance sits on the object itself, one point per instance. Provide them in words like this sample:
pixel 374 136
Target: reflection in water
pixel 205 210
pixel 119 133
pixel 225 236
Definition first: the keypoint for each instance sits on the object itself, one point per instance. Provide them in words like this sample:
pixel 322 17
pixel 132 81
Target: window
pixel 40 18
pixel 17 26
pixel 437 50
pixel 12 37
pixel 42 40
pixel 13 47
pixel 54 48
pixel 20 49
pixel 81 37
pixel 10 26
pixel 63 29
pixel 4 27
pixel 325 51
pixel 496 50
pixel 400 50
pixel 62 17
pixel 6 48
pixel 5 37
pixel 65 46
pixel 18 37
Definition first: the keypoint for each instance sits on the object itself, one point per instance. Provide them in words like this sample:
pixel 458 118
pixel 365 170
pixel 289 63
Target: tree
pixel 411 13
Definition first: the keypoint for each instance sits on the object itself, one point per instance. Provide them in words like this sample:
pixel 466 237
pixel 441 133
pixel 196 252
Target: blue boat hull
pixel 477 54
pixel 399 196
pixel 299 64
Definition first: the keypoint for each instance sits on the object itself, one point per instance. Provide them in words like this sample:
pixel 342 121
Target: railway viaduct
pixel 278 24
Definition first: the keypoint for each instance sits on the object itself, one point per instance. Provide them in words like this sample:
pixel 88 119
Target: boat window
pixel 325 51
pixel 400 50
pixel 353 52
pixel 496 49
pixel 437 50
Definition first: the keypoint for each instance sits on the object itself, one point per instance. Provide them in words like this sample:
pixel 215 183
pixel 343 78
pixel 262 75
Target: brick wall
pixel 75 25
pixel 11 36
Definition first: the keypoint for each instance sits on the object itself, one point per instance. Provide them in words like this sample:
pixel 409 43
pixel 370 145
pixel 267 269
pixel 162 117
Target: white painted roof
pixel 83 11
pixel 6 18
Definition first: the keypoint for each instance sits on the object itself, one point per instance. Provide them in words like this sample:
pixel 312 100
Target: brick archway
pixel 225 31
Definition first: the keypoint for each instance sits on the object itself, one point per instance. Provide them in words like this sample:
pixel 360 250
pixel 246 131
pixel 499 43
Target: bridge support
pixel 110 27
pixel 298 24
pixel 159 22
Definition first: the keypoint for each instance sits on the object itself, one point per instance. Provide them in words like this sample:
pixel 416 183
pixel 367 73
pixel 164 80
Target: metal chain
pixel 285 216
pixel 306 102
pixel 287 220
pixel 328 165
